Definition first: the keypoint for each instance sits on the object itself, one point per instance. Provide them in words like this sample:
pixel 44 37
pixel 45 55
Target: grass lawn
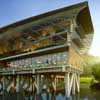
pixel 85 80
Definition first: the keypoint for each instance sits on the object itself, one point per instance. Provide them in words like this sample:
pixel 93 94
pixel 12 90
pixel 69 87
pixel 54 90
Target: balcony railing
pixel 35 70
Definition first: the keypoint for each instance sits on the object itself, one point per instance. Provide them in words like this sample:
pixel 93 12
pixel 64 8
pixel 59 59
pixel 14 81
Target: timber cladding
pixel 75 59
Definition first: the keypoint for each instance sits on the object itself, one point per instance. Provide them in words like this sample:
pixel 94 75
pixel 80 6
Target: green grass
pixel 86 80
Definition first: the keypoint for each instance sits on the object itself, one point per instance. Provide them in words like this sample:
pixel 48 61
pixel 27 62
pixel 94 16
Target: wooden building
pixel 38 51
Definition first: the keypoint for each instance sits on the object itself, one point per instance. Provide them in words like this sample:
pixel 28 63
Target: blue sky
pixel 15 10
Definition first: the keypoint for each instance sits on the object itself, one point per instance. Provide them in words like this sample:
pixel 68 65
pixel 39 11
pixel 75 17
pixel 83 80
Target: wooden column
pixel 77 82
pixel 67 85
pixel 3 84
pixel 9 84
pixel 18 84
pixel 73 85
pixel 54 83
pixel 39 85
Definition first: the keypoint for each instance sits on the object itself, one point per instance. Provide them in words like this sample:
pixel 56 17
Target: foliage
pixel 88 63
pixel 86 80
pixel 91 70
pixel 96 71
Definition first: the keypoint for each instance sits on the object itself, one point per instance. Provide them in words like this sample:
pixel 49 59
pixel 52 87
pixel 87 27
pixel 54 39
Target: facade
pixel 37 52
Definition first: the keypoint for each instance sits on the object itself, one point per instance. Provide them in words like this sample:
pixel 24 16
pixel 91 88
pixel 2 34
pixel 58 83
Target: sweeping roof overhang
pixel 83 17
pixel 12 32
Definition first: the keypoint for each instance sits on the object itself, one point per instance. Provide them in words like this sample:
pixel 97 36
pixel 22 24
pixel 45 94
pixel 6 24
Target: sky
pixel 16 10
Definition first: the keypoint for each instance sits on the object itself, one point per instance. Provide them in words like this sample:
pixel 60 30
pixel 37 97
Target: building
pixel 39 51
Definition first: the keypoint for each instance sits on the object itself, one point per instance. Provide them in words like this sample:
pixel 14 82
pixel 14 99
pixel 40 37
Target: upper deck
pixel 57 37
pixel 32 33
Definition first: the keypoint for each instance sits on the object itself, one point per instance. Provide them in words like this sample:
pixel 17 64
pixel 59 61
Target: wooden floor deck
pixel 40 70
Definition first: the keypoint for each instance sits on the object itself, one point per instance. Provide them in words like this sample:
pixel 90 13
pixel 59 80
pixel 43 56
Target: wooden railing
pixel 52 69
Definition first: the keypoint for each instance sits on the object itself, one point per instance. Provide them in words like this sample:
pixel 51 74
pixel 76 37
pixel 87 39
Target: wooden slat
pixel 74 58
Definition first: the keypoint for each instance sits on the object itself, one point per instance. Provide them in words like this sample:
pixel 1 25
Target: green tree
pixel 96 71
pixel 89 63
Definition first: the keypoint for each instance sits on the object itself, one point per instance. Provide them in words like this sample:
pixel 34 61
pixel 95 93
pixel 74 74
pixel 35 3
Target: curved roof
pixel 80 11
pixel 83 17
